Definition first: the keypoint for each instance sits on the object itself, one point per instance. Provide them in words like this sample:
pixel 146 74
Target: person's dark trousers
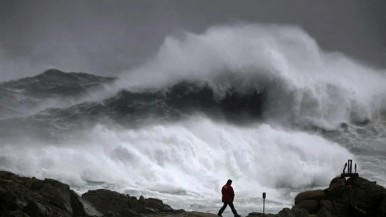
pixel 225 206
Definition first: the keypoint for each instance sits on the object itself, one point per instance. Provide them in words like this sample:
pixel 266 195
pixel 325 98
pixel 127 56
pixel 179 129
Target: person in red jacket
pixel 227 198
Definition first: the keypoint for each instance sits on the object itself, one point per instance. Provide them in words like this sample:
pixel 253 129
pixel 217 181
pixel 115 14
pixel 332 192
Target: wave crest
pixel 305 84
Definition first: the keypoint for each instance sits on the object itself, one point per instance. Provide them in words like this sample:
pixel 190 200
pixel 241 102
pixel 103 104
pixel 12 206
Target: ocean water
pixel 262 105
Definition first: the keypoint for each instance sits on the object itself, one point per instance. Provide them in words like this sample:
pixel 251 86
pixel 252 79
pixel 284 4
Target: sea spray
pixel 306 86
pixel 171 158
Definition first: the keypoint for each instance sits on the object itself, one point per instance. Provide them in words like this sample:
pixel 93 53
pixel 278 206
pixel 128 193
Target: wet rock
pixel 323 212
pixel 286 212
pixel 299 212
pixel 310 195
pixel 310 205
pixel 141 200
pixel 365 194
pixel 354 197
pixel 114 204
pixel 107 201
pixel 257 214
pixel 336 187
pixel 31 197
pixel 34 197
pixel 382 206
pixel 14 214
pixel 89 209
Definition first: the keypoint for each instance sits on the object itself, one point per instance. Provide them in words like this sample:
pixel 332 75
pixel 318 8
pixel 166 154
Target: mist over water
pixel 318 110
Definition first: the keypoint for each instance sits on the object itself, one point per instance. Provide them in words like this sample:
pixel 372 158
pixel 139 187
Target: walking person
pixel 227 198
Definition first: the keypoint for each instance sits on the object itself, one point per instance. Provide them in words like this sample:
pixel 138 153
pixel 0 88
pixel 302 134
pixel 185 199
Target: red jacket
pixel 227 194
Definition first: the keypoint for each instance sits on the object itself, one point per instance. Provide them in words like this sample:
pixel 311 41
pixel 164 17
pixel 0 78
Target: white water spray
pixel 305 85
pixel 190 157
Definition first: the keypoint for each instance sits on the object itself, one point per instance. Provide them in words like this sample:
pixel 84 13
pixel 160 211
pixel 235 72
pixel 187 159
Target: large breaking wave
pixel 239 102
pixel 304 84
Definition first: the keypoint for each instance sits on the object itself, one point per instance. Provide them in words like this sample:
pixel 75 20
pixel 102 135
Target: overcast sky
pixel 107 37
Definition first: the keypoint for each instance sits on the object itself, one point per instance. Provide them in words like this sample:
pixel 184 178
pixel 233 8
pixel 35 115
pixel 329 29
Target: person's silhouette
pixel 227 198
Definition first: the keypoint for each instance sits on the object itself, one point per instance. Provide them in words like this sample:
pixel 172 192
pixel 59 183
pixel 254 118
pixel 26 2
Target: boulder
pixel 310 205
pixel 111 203
pixel 365 195
pixel 157 204
pixel 14 214
pixel 310 195
pixel 34 197
pixel 107 201
pixel 299 212
pixel 89 209
pixel 382 206
pixel 286 212
pixel 257 214
pixel 326 205
pixel 336 187
pixel 323 212
pixel 31 197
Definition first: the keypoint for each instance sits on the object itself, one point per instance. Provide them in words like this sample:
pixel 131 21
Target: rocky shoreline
pixel 31 197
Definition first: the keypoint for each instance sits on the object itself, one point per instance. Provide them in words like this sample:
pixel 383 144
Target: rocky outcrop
pixel 31 197
pixel 37 198
pixel 354 197
pixel 111 203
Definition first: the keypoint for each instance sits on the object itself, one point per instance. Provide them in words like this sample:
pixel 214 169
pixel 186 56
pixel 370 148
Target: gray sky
pixel 106 37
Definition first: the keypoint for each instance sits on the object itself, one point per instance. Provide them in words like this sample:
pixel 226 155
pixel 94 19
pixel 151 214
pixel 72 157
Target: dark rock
pixel 310 195
pixel 111 203
pixel 14 214
pixel 382 206
pixel 31 197
pixel 89 209
pixel 299 212
pixel 141 200
pixel 310 205
pixel 105 200
pixel 323 212
pixel 365 195
pixel 354 197
pixel 286 212
pixel 76 205
pixel 154 203
pixel 327 205
pixel 35 209
pixel 40 198
pixel 257 214
pixel 336 187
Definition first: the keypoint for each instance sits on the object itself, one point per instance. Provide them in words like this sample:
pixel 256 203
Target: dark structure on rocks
pixel 349 173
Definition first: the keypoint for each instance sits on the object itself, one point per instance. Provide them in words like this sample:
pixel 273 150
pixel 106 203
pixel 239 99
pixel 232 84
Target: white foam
pixel 191 157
